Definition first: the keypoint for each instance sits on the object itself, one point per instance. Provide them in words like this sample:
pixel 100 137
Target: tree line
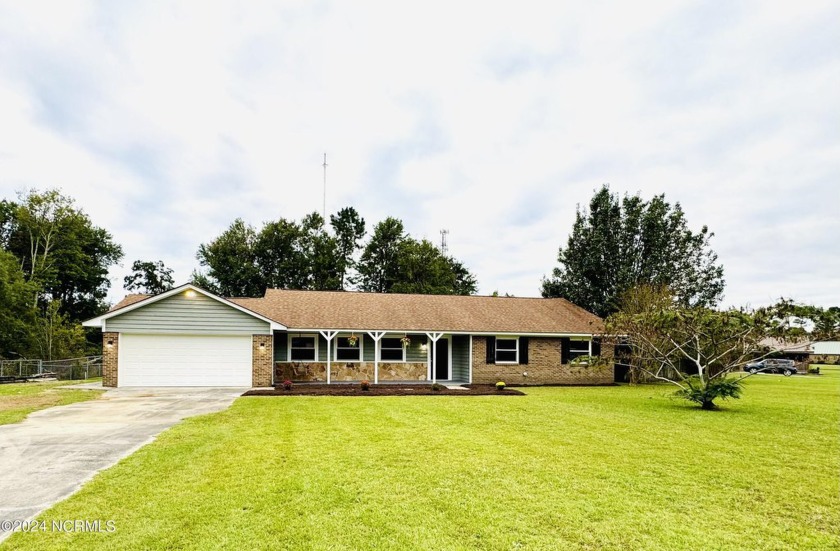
pixel 53 273
pixel 286 254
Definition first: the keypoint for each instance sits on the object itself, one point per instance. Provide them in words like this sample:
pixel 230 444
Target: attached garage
pixel 185 337
pixel 184 360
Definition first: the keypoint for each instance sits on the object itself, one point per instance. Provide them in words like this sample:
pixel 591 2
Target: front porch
pixel 330 356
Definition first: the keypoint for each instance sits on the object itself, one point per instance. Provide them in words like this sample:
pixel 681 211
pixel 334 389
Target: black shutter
pixel 491 350
pixel 565 346
pixel 523 350
pixel 596 347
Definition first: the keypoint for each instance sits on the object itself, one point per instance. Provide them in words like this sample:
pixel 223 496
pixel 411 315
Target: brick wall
pixel 110 354
pixel 823 359
pixel 262 360
pixel 543 368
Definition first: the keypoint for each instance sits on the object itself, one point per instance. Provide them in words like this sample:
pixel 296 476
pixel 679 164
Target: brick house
pixel 190 337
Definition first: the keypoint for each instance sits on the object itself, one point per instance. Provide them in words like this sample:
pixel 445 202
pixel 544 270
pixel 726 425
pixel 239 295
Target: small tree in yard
pixel 694 349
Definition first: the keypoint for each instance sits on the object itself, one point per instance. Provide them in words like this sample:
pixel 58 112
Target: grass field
pixel 20 399
pixel 561 468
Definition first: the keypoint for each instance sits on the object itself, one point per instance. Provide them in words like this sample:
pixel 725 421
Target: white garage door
pixel 184 360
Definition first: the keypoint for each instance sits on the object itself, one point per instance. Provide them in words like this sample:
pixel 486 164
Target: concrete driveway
pixel 50 454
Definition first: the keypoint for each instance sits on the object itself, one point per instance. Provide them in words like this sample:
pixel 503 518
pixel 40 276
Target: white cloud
pixel 166 121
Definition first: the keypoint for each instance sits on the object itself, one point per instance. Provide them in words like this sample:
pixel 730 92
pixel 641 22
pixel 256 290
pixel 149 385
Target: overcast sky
pixel 166 121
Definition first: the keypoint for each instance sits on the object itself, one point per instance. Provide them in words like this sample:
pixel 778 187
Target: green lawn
pixel 561 468
pixel 20 399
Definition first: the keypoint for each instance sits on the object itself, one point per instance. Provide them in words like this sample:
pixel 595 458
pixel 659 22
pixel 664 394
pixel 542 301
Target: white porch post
pixel 376 335
pixel 471 359
pixel 434 337
pixel 329 335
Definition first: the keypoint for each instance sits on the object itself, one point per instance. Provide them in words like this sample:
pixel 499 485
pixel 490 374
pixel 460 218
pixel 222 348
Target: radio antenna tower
pixel 325 187
pixel 444 248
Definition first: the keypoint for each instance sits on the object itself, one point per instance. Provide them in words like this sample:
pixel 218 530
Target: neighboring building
pixel 800 351
pixel 826 352
pixel 191 337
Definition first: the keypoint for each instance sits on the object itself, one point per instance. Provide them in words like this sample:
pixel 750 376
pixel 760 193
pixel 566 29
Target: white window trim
pixel 588 350
pixel 289 346
pixel 360 346
pixel 496 351
pixel 404 351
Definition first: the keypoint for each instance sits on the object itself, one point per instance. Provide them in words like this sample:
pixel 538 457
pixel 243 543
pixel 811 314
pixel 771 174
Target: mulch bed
pixel 382 390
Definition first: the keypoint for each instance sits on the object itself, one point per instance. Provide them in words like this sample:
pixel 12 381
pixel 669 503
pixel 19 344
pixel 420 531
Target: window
pixel 391 350
pixel 303 348
pixel 578 349
pixel 344 351
pixel 507 351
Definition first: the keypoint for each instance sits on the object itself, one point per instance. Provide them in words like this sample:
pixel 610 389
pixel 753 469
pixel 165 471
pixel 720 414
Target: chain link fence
pixel 70 370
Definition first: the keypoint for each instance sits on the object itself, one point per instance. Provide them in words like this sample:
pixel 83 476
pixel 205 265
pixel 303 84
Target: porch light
pixel 423 346
pixel 110 344
pixel 262 347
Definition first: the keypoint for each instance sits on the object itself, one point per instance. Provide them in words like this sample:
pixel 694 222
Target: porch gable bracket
pixel 434 337
pixel 328 335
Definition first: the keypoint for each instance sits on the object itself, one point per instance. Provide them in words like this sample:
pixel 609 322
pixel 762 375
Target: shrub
pixel 365 385
pixel 500 385
pixel 706 394
pixel 287 384
pixel 437 387
pixel 814 369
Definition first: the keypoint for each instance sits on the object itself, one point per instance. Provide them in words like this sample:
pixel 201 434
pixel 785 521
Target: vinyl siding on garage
pixel 196 314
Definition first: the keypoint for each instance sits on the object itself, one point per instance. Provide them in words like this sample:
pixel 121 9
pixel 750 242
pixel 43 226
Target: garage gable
pixel 187 312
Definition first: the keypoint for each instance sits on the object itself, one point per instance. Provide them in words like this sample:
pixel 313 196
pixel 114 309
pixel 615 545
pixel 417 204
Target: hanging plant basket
pixel 352 340
pixel 406 341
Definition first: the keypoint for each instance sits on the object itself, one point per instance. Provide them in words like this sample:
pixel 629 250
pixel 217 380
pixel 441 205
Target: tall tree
pixel 617 244
pixel 423 269
pixel 290 255
pixel 149 277
pixel 279 256
pixel 231 262
pixel 349 229
pixel 321 251
pixel 379 263
pixel 394 262
pixel 8 210
pixel 61 252
pixel 56 336
pixel 808 322
pixel 465 281
pixel 17 316
pixel 283 255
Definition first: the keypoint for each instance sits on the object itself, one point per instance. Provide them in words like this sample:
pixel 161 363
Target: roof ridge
pixel 356 292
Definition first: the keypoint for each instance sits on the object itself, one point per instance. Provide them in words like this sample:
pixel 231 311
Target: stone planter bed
pixel 382 390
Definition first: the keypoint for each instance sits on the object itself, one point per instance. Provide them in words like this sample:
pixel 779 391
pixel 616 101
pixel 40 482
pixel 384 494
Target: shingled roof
pixel 399 312
pixel 128 301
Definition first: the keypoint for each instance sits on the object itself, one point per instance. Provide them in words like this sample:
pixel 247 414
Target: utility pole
pixel 444 248
pixel 325 188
